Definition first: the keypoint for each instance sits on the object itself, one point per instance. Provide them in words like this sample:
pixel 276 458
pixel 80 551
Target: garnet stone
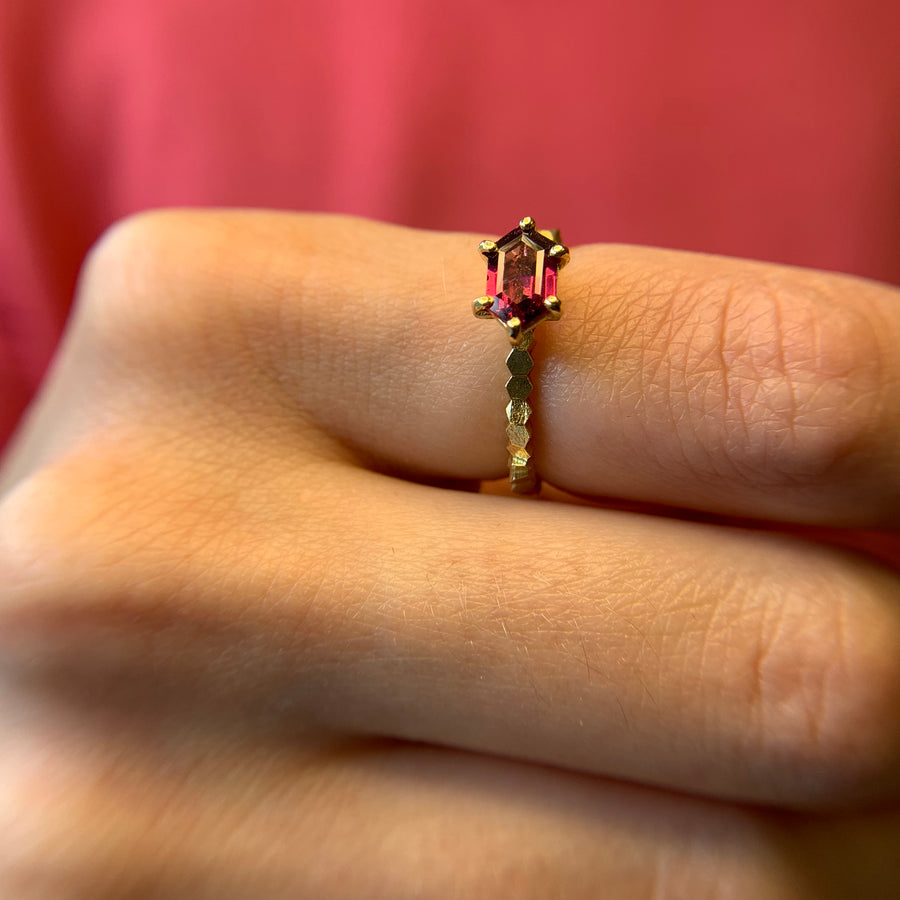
pixel 526 274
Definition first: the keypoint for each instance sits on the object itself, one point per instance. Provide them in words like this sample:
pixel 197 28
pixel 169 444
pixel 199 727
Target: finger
pixel 680 379
pixel 121 813
pixel 705 659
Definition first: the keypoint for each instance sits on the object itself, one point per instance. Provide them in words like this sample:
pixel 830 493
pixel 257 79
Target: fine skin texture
pixel 261 637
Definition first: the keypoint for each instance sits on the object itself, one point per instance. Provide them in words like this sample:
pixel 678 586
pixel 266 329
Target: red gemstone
pixel 526 274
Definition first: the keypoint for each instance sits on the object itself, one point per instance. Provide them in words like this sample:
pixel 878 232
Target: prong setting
pixel 560 253
pixel 481 306
pixel 520 292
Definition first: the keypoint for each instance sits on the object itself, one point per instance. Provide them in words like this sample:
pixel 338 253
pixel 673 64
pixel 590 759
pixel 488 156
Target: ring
pixel 524 264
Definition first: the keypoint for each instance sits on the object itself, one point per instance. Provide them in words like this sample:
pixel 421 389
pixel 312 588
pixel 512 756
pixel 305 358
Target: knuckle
pixel 117 573
pixel 173 319
pixel 47 550
pixel 75 538
pixel 800 381
pixel 130 258
pixel 771 378
pixel 66 830
pixel 40 854
pixel 164 286
pixel 823 690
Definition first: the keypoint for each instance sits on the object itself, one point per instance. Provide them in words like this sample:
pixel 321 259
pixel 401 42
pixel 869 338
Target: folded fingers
pixel 710 660
pixel 127 811
pixel 197 526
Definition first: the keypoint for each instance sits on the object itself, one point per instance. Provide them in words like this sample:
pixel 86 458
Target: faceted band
pixel 522 269
pixel 523 477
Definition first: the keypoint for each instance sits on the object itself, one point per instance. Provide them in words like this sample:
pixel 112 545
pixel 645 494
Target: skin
pixel 261 635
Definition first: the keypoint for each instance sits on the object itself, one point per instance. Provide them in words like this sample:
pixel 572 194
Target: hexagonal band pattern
pixel 523 478
pixel 520 292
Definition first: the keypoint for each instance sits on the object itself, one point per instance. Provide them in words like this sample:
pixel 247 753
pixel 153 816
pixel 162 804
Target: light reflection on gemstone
pixel 518 273
pixel 525 273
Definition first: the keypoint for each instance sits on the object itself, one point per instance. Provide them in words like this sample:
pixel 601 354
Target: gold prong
pixel 481 306
pixel 551 234
pixel 488 249
pixel 553 307
pixel 527 224
pixel 560 252
pixel 514 329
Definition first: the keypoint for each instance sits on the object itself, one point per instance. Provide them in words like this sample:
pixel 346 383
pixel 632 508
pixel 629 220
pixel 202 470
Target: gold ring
pixel 522 269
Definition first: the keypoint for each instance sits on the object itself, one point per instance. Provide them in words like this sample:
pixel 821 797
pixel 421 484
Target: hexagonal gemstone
pixel 526 274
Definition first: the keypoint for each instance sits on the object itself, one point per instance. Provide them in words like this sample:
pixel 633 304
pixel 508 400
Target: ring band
pixel 522 269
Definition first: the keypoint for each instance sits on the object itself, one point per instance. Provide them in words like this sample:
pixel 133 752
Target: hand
pixel 254 644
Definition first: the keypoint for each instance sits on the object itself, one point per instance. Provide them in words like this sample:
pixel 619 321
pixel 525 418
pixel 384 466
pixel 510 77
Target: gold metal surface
pixel 523 476
pixel 561 253
pixel 519 361
pixel 518 412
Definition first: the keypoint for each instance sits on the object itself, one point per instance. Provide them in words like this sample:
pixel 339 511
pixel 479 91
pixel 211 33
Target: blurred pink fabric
pixel 764 129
